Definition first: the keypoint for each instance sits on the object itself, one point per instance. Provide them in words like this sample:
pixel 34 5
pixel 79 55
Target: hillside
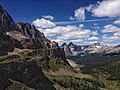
pixel 29 61
pixel 107 72
pixel 20 65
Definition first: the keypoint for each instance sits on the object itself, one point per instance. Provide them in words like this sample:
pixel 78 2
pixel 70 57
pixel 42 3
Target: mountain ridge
pixel 20 35
pixel 96 48
pixel 35 52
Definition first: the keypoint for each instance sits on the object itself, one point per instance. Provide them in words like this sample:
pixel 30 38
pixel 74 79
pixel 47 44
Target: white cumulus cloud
pixel 106 8
pixel 93 38
pixel 79 14
pixel 95 33
pixel 69 33
pixel 77 41
pixel 114 37
pixel 43 23
pixel 110 28
pixel 48 17
pixel 117 22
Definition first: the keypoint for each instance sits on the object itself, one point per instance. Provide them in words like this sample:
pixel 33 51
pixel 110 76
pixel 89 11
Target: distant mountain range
pixel 96 48
pixel 29 61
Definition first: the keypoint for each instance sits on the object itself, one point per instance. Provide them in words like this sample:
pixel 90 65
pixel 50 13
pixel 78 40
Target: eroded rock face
pixel 32 43
pixel 20 35
pixel 67 49
pixel 25 72
pixel 6 22
pixel 5 44
pixel 30 31
pixel 6 25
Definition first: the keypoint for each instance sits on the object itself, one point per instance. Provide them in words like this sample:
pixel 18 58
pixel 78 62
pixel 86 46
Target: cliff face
pixel 22 35
pixel 30 31
pixel 25 72
pixel 6 22
pixel 31 38
pixel 44 57
pixel 67 49
pixel 25 67
pixel 5 44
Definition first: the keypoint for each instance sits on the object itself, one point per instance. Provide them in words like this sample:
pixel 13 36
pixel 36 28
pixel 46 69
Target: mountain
pixel 6 21
pixel 73 47
pixel 29 61
pixel 63 44
pixel 103 49
pixel 24 53
pixel 5 44
pixel 30 31
pixel 28 36
pixel 71 44
pixel 67 49
pixel 20 35
pixel 114 50
pixel 96 48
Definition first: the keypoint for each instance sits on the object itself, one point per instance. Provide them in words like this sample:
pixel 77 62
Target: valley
pixel 103 68
pixel 48 54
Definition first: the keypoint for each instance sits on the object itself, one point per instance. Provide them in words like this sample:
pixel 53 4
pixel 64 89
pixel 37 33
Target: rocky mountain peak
pixel 63 44
pixel 6 21
pixel 30 31
pixel 22 35
pixel 67 49
pixel 97 44
pixel 70 44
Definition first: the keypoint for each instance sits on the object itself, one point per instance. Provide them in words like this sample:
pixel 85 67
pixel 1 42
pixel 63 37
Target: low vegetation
pixel 108 72
pixel 75 83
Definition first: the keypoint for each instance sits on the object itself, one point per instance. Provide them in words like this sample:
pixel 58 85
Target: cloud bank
pixel 67 32
pixel 43 23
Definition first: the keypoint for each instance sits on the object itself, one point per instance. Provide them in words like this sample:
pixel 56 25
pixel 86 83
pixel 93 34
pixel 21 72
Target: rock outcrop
pixel 67 49
pixel 25 67
pixel 5 44
pixel 25 72
pixel 22 35
pixel 30 31
pixel 6 21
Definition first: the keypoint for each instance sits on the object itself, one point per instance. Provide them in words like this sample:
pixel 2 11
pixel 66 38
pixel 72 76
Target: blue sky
pixel 78 21
pixel 28 10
